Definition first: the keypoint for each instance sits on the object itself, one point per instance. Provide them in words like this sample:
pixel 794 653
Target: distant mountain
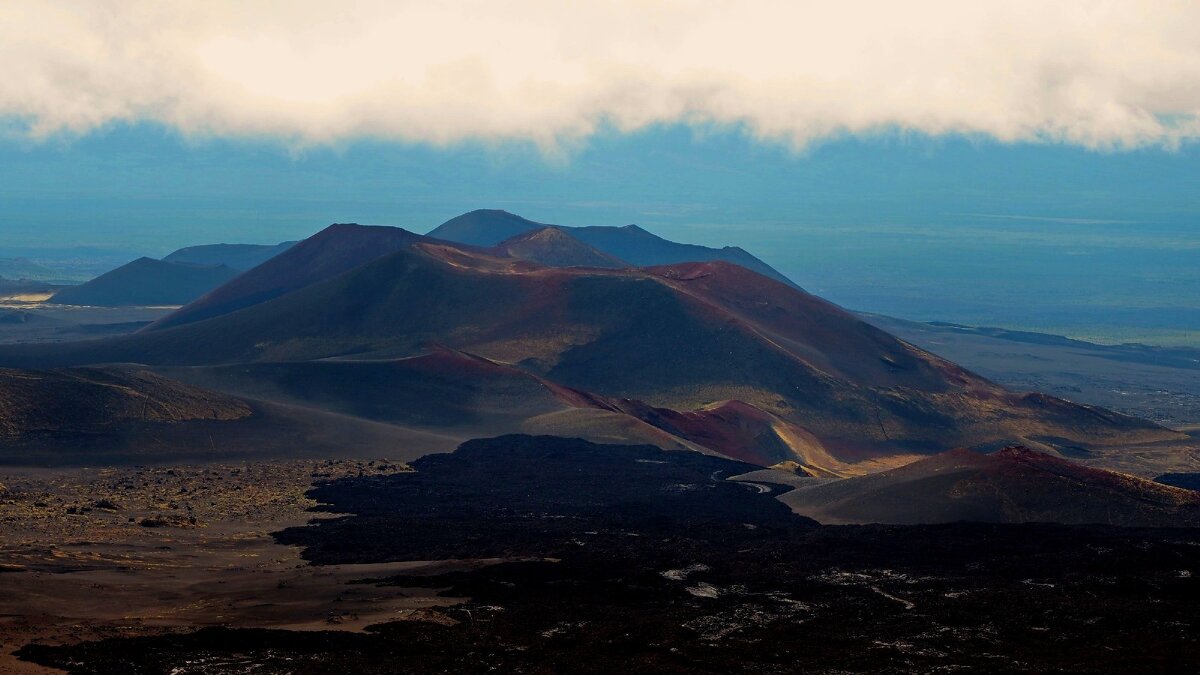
pixel 177 279
pixel 240 257
pixel 484 227
pixel 632 244
pixel 334 250
pixel 146 282
pixel 1156 383
pixel 712 353
pixel 1014 485
pixel 19 269
pixel 554 247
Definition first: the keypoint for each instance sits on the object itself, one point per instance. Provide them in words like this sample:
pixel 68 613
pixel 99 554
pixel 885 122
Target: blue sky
pixel 999 161
pixel 149 189
pixel 1048 236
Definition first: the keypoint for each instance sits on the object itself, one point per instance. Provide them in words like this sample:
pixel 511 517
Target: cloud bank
pixel 1097 74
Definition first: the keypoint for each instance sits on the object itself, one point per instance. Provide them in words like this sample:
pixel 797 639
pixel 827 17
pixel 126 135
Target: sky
pixel 1012 162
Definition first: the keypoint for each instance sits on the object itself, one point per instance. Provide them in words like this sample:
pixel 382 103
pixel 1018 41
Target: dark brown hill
pixel 147 282
pixel 1014 485
pixel 681 337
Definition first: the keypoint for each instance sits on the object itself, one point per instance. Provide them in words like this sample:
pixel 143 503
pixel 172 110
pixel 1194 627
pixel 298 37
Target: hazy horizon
pixel 1093 244
pixel 1001 163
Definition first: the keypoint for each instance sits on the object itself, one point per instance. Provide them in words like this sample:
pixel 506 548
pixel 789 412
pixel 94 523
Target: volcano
pixel 711 353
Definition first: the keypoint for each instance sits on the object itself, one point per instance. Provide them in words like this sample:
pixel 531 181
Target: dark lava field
pixel 600 559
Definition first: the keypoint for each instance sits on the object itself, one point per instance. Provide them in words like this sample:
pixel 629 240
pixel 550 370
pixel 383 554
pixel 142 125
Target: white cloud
pixel 1098 74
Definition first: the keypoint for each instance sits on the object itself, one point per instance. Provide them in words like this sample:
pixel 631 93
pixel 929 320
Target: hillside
pixel 334 250
pixel 631 244
pixel 89 400
pixel 827 386
pixel 1014 485
pixel 146 282
pixel 444 392
pixel 450 392
pixel 128 414
pixel 23 269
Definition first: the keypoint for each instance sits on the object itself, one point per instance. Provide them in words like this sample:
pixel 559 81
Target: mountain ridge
pixel 681 338
pixel 630 243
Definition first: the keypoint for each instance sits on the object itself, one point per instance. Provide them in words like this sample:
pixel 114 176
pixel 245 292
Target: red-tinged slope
pixel 739 430
pixel 334 250
pixel 824 335
pixel 1014 485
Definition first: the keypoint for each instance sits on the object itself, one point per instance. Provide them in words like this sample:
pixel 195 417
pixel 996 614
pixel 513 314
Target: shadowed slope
pixel 127 414
pixel 451 391
pixel 146 281
pixel 443 389
pixel 334 250
pixel 1014 485
pixel 83 400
